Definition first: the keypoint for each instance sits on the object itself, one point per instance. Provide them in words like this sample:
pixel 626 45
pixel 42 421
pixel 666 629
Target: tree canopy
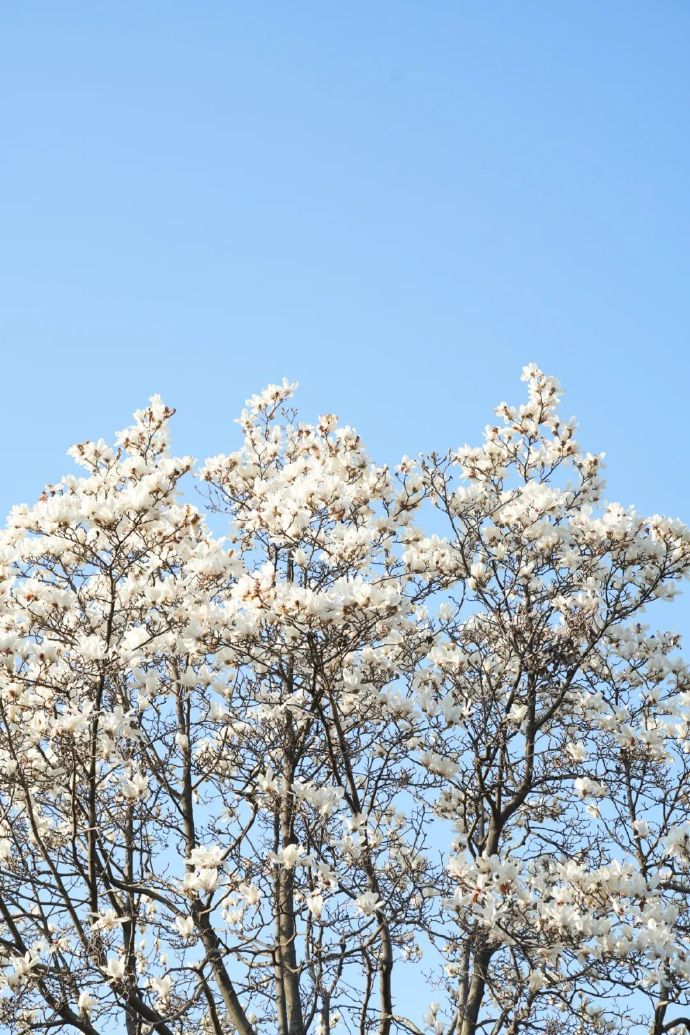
pixel 390 719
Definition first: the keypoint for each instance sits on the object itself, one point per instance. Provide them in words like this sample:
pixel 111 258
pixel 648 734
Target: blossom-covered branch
pixel 247 780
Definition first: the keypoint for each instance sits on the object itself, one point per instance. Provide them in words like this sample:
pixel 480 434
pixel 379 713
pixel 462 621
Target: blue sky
pixel 398 204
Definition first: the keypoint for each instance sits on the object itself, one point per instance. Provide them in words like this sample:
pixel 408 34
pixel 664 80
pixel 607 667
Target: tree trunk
pixel 476 992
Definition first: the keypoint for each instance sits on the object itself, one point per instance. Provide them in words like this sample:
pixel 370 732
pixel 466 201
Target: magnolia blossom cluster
pixel 259 755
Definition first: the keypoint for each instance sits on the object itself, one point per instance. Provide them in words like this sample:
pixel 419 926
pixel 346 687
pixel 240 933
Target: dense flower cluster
pixel 245 780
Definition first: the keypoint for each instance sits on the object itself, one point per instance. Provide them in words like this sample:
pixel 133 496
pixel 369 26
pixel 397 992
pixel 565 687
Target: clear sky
pixel 397 203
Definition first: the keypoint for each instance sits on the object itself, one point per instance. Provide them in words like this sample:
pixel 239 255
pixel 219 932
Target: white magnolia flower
pixel 536 980
pixel 115 968
pixel 202 856
pixel 517 714
pixel 315 904
pixel 271 396
pixel 201 880
pixel 136 787
pixel 584 786
pixel 478 575
pixel 288 856
pixel 24 964
pixel 431 1012
pixel 677 840
pixel 107 920
pixel 368 903
pixel 185 925
pixel 250 893
pixel 577 752
pixel 85 1002
pixel 162 986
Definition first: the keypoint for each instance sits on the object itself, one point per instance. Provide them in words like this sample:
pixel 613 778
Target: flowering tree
pixel 248 782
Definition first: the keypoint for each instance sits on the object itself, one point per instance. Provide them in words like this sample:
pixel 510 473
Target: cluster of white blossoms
pixel 386 716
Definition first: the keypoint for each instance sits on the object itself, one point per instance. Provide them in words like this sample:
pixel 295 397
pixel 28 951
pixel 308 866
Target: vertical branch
pixel 209 938
pixel 277 961
pixel 129 926
pixel 287 927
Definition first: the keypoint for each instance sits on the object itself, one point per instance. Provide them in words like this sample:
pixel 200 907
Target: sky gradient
pixel 399 206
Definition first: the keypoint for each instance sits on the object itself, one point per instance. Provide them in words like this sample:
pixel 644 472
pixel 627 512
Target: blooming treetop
pixel 245 779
